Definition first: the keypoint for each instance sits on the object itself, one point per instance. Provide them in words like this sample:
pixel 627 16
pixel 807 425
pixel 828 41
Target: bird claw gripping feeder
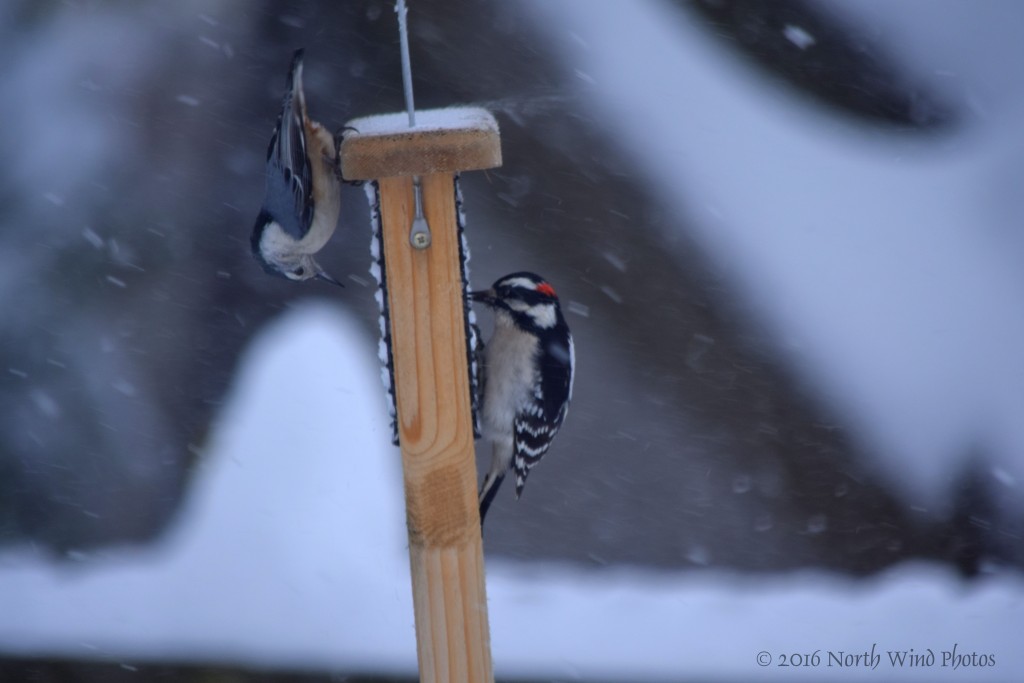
pixel 411 161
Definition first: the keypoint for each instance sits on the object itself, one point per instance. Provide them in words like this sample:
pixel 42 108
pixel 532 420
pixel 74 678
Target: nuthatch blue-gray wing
pixel 303 193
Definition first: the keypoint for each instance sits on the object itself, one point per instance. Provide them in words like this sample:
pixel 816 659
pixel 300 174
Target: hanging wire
pixel 403 33
pixel 419 233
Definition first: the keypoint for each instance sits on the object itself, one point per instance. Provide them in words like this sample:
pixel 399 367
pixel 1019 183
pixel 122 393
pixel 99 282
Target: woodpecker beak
pixel 321 275
pixel 486 296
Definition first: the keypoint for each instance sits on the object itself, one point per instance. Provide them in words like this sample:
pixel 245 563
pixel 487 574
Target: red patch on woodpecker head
pixel 546 289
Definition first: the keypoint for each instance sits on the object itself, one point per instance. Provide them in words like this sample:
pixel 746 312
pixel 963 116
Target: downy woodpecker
pixel 527 379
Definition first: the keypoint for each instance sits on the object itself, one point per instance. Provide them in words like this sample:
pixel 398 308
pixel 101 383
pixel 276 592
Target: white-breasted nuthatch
pixel 303 195
pixel 527 380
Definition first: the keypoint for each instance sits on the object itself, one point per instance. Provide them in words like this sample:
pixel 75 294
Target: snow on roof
pixel 291 552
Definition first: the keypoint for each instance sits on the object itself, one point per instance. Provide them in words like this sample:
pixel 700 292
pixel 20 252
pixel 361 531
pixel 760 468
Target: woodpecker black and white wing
pixel 539 420
pixel 289 197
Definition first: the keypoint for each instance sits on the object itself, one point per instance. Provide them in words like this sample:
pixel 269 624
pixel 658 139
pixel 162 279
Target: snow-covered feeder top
pixel 443 141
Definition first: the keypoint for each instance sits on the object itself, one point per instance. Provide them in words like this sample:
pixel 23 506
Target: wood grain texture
pixel 436 432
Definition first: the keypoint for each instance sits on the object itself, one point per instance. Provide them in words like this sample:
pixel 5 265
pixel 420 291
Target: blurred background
pixel 786 236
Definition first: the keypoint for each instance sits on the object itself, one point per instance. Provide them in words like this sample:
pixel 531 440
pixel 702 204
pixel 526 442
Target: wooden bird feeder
pixel 431 385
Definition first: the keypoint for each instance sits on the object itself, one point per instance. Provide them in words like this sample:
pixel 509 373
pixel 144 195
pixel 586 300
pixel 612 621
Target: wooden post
pixel 430 372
